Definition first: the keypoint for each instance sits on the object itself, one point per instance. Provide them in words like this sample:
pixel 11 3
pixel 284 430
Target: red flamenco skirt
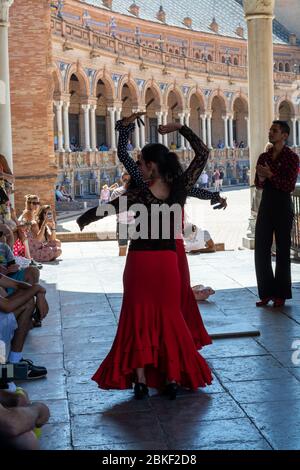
pixel 189 306
pixel 152 333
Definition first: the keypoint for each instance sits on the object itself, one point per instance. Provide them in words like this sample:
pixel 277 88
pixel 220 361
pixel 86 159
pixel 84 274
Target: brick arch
pixel 288 100
pixel 82 77
pixel 156 91
pixel 109 85
pixel 177 92
pixel 218 94
pixel 58 85
pixel 243 98
pixel 199 94
pixel 135 94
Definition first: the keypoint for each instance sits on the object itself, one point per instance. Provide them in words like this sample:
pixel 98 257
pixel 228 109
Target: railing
pixel 102 41
pixel 296 225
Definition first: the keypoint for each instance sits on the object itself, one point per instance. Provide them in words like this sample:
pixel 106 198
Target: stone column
pixel 181 117
pixel 159 116
pixel 231 132
pixel 165 120
pixel 294 121
pixel 209 131
pixel 259 16
pixel 58 109
pixel 93 127
pixel 112 112
pixel 66 105
pixel 187 123
pixel 142 134
pixel 203 126
pixel 5 113
pixel 118 114
pixel 298 131
pixel 248 131
pixel 86 109
pixel 225 118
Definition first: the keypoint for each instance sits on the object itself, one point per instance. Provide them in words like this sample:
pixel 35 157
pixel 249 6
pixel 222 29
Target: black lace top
pixel 134 171
pixel 153 234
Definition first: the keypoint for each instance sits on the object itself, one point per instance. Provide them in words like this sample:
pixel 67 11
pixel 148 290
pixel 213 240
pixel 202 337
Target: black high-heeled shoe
pixel 140 391
pixel 171 390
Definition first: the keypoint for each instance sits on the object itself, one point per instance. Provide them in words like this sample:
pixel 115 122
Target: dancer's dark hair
pixel 169 169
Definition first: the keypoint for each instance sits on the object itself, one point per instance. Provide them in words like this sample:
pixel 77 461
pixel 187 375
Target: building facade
pixel 92 62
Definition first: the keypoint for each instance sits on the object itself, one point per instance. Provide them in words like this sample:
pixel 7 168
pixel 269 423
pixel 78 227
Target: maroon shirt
pixel 285 169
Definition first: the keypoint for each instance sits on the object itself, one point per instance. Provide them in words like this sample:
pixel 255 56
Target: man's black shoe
pixel 34 372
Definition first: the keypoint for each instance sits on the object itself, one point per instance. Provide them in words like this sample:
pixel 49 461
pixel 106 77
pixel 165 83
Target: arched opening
pixel 209 57
pixel 196 109
pixel 218 111
pixel 175 106
pixel 236 61
pixel 129 102
pixel 287 67
pixel 56 96
pixel 240 113
pixel 101 117
pixel 197 56
pixel 286 113
pixel 280 67
pixel 76 124
pixel 223 60
pixel 153 106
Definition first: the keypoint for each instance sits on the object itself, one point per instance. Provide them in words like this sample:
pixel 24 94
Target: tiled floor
pixel 254 402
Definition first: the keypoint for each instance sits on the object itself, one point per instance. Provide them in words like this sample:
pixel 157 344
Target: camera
pixel 11 372
pixel 49 215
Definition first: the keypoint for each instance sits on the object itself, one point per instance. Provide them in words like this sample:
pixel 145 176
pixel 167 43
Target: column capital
pixel 159 113
pixel 208 115
pixel 58 104
pixel 225 117
pixel 111 109
pixel 66 104
pixel 85 107
pixel 294 119
pixel 4 11
pixel 93 107
pixel 259 9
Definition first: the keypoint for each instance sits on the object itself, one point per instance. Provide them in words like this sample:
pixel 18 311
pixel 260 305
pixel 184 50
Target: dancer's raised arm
pixel 201 152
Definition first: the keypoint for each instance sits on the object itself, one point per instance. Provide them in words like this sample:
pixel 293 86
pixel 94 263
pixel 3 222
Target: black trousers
pixel 275 217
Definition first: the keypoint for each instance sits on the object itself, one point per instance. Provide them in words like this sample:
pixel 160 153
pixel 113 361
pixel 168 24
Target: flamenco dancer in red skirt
pixel 153 345
pixel 189 305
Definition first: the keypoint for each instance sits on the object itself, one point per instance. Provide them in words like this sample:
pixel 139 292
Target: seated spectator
pixel 103 147
pixel 21 247
pixel 65 194
pixel 129 146
pixel 42 241
pixel 59 195
pixel 220 144
pixel 198 240
pixel 10 268
pixel 105 194
pixel 173 146
pixel 20 306
pixel 32 203
pixel 242 144
pixel 19 419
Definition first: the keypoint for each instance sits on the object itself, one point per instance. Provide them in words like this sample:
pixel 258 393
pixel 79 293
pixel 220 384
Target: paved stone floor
pixel 254 402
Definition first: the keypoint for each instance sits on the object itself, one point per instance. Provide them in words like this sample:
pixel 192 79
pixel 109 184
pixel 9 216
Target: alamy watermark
pixel 296 353
pixel 165 221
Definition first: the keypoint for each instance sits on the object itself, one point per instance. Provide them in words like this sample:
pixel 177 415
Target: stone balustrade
pixel 103 41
